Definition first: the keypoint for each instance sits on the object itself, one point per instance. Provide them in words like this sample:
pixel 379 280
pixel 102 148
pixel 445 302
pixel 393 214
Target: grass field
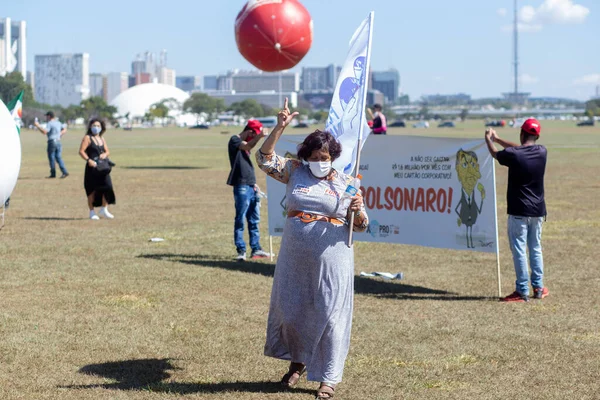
pixel 93 310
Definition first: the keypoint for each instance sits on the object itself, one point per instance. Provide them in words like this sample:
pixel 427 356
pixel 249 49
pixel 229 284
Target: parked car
pixel 496 123
pixel 200 126
pixel 421 124
pixel 447 124
pixel 301 125
pixel 589 122
pixel 398 124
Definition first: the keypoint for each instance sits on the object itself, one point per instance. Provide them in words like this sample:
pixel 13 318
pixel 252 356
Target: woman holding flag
pixel 310 316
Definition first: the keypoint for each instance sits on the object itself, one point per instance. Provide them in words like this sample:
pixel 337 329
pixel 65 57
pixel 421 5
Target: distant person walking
pixel 97 183
pixel 54 131
pixel 379 123
pixel 245 190
pixel 526 205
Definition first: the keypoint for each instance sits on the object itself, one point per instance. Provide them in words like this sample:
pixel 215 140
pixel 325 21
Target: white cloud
pixel 562 12
pixel 533 19
pixel 591 79
pixel 502 12
pixel 527 79
pixel 438 78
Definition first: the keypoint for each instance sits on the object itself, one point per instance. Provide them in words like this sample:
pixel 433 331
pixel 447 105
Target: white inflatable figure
pixel 10 157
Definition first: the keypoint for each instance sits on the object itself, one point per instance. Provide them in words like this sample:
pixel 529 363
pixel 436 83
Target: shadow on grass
pixel 53 219
pixel 164 167
pixel 151 374
pixel 362 285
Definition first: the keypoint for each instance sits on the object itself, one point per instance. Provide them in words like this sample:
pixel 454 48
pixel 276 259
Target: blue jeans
pixel 524 233
pixel 54 156
pixel 247 205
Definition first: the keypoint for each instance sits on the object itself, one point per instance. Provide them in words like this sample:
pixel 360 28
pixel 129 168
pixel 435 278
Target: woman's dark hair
pixel 319 140
pixel 92 122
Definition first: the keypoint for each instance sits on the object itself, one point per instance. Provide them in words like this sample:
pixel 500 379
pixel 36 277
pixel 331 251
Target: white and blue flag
pixel 347 121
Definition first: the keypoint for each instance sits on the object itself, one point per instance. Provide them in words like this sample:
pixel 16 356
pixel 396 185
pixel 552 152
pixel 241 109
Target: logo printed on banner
pixel 301 189
pixel 332 193
pixel 377 230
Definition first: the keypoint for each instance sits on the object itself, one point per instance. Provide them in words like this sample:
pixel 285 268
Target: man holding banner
pixel 526 205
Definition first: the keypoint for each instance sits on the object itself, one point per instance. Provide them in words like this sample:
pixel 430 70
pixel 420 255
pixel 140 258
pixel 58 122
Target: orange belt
pixel 311 217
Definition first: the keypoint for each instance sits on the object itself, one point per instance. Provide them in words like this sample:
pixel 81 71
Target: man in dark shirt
pixel 526 205
pixel 245 190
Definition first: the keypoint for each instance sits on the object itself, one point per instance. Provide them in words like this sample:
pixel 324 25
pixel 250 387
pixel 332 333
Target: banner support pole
pixel 362 125
pixel 498 275
pixel 271 247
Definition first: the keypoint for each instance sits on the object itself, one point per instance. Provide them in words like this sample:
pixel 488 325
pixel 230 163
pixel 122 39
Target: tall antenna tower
pixel 516 50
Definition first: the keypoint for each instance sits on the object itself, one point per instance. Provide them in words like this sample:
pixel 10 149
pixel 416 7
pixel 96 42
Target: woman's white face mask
pixel 320 169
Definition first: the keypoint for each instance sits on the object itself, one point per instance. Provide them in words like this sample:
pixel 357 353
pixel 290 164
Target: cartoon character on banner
pixel 467 209
pixel 349 93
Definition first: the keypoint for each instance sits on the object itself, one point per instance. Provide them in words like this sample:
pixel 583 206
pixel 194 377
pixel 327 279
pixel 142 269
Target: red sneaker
pixel 515 297
pixel 540 293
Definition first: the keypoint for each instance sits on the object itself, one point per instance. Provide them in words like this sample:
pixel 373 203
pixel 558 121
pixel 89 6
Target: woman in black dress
pixel 98 185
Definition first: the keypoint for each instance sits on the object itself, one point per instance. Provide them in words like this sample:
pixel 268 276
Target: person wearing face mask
pixel 378 122
pixel 98 186
pixel 245 190
pixel 310 315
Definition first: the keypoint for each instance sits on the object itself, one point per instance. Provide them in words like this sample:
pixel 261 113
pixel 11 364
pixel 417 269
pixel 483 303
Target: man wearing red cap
pixel 526 205
pixel 245 190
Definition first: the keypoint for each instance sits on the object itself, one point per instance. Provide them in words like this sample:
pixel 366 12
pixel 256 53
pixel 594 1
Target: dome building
pixel 137 100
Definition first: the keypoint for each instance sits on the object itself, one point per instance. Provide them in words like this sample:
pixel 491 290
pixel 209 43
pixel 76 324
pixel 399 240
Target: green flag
pixel 15 107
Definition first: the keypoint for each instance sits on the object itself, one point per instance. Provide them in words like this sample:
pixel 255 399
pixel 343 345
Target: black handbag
pixel 103 166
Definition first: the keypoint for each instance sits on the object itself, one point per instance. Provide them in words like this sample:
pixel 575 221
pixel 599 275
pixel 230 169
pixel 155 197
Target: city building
pixel 458 99
pixel 116 83
pixel 166 76
pixel 374 96
pixel 149 64
pixel 139 79
pixel 13 47
pixel 255 81
pixel 98 85
pixel 62 79
pixel 388 83
pixel 31 80
pixel 319 79
pixel 271 98
pixel 210 83
pixel 188 83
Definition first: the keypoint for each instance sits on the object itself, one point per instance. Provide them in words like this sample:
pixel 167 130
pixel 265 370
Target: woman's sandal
pixel 325 392
pixel 290 379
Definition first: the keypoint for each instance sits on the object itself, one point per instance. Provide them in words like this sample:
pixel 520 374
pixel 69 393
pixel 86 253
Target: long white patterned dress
pixel 310 316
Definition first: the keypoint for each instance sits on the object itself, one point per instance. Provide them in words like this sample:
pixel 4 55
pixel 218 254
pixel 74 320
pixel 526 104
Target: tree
pixel 463 114
pixel 592 107
pixel 404 100
pixel 12 84
pixel 319 116
pixel 200 103
pixel 268 110
pixel 96 107
pixel 72 112
pixel 159 110
pixel 247 108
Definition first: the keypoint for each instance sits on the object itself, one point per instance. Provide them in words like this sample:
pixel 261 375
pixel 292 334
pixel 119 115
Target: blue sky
pixel 438 46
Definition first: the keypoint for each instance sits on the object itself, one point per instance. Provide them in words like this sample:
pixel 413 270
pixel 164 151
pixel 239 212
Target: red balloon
pixel 273 35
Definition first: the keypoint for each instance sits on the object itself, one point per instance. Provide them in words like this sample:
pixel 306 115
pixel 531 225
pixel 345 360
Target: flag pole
pixel 497 242
pixel 362 124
